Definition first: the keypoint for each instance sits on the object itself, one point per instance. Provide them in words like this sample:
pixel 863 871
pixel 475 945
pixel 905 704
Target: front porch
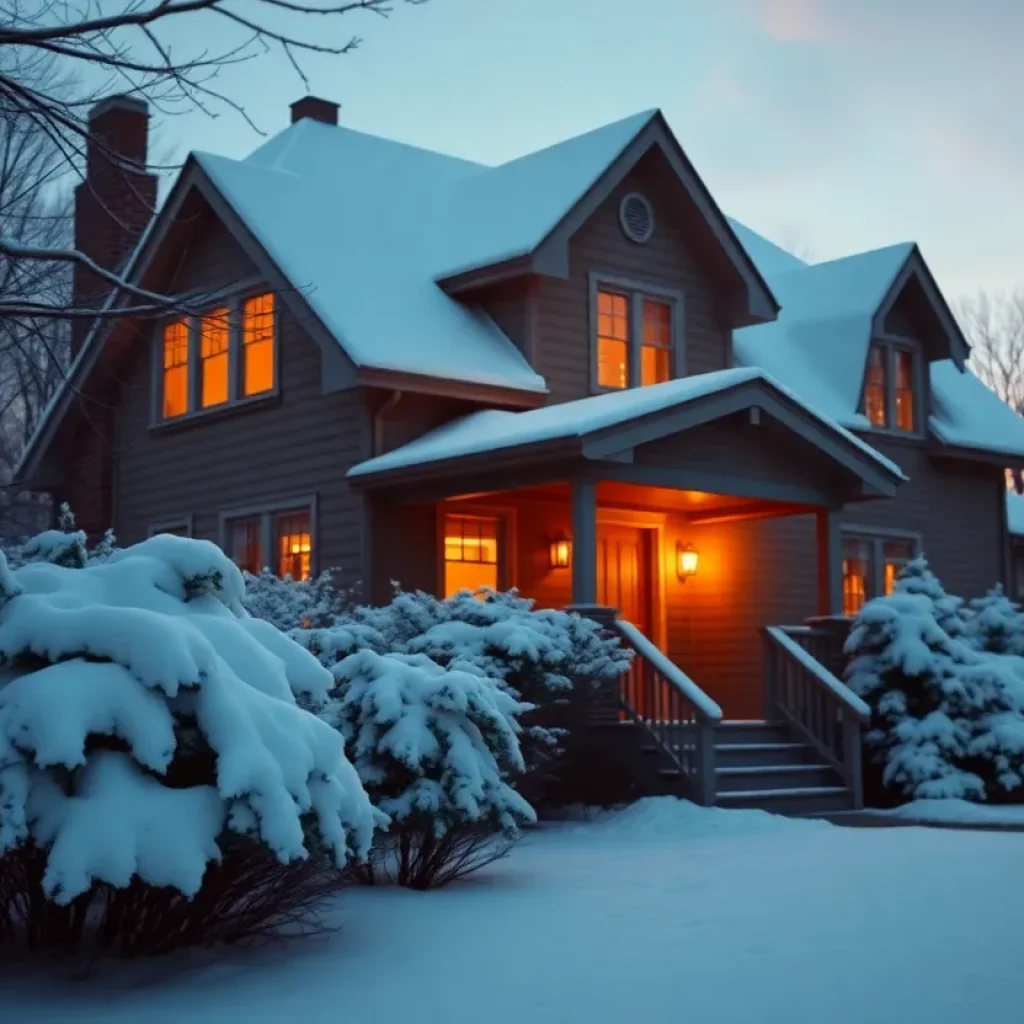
pixel 693 520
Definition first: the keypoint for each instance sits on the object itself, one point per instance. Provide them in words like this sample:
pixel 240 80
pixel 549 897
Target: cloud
pixel 797 21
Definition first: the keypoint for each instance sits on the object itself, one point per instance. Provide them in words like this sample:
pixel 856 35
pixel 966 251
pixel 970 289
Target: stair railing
pixel 825 712
pixel 658 696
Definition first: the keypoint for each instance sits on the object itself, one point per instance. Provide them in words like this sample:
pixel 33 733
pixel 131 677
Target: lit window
pixel 213 351
pixel 612 340
pixel 870 567
pixel 247 544
pixel 904 389
pixel 875 398
pixel 470 553
pixel 175 369
pixel 856 566
pixel 656 352
pixel 294 545
pixel 258 345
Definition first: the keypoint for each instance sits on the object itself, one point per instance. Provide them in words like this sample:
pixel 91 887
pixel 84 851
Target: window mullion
pixel 234 349
pixel 634 348
pixel 877 568
pixel 890 387
pixel 194 360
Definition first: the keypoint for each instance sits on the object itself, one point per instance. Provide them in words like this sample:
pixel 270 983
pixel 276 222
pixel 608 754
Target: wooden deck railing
pixel 800 690
pixel 679 715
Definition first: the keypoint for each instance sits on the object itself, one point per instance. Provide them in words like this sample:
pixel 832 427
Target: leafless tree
pixel 124 47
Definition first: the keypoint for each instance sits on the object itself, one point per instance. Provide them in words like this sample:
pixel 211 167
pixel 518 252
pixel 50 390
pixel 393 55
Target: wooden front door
pixel 624 573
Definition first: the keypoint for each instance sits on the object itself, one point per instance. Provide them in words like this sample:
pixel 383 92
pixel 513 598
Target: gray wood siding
pixel 511 306
pixel 668 260
pixel 300 444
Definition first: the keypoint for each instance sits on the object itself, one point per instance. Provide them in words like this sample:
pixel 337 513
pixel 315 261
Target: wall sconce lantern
pixel 687 560
pixel 561 552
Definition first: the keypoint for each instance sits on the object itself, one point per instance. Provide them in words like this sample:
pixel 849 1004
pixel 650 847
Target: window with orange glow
pixel 612 340
pixel 213 358
pixel 856 567
pixel 294 545
pixel 258 345
pixel 470 553
pixel 895 555
pixel 904 389
pixel 876 402
pixel 656 351
pixel 175 380
pixel 246 540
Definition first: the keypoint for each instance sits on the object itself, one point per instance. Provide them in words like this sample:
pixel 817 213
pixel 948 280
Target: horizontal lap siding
pixel 667 260
pixel 299 445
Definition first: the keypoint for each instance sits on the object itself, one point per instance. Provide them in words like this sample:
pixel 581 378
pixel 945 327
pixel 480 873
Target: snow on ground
pixel 960 812
pixel 660 913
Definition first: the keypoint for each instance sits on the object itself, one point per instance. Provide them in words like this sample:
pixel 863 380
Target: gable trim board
pixel 608 427
pixel 550 255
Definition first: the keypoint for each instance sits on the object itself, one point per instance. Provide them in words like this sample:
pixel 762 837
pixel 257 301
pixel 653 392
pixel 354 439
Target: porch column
pixel 584 542
pixel 830 562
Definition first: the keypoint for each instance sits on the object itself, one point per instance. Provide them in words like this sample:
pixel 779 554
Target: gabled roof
pixel 1015 514
pixel 493 432
pixel 818 346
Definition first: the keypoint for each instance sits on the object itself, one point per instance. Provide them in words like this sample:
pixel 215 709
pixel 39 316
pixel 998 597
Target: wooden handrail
pixel 825 712
pixel 782 635
pixel 707 710
pixel 674 712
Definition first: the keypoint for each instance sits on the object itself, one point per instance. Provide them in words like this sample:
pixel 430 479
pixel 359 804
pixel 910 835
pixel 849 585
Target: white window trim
pixel 267 512
pixel 890 344
pixel 877 536
pixel 236 400
pixel 635 292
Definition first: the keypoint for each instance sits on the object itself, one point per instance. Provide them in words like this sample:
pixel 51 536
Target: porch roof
pixel 605 418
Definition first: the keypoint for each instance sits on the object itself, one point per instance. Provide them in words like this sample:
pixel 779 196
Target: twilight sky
pixel 829 125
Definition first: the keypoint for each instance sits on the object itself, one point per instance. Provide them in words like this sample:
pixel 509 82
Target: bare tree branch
pixel 994 325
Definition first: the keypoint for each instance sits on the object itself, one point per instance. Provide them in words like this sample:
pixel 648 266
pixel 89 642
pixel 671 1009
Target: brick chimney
pixel 315 109
pixel 114 202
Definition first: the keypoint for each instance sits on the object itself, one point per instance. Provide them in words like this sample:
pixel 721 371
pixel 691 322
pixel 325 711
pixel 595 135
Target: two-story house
pixel 569 374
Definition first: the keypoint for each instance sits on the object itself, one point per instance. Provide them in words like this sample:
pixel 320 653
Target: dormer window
pixel 635 335
pixel 890 401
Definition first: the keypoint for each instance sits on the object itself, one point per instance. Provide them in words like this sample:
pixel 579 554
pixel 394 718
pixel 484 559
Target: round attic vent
pixel 636 218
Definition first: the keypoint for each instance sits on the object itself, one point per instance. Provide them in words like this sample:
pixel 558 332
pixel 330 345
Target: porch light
pixel 687 560
pixel 561 552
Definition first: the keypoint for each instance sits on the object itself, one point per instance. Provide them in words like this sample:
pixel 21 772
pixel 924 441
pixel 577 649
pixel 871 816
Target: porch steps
pixel 760 765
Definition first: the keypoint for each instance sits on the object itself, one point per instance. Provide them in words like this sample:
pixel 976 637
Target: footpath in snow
pixel 661 912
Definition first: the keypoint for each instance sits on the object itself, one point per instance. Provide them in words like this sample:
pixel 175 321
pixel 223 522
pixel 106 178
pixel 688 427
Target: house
pixel 571 374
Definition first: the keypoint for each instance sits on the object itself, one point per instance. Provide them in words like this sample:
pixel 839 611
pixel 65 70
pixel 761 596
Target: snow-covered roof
pixel 493 430
pixel 818 346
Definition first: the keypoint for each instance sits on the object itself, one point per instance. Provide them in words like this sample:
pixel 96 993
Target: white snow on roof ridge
pixel 492 430
pixel 1015 513
pixel 769 257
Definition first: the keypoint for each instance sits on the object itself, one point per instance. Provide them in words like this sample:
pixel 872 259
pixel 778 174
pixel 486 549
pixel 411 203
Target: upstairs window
pixel 175 371
pixel 220 358
pixel 871 565
pixel 470 553
pixel 889 387
pixel 634 337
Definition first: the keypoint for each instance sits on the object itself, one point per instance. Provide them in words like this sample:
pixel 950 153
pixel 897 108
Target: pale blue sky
pixel 834 125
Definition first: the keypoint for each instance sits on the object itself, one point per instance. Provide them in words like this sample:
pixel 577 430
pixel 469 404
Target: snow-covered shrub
pixel 150 728
pixel 293 604
pixel 946 720
pixel 995 624
pixel 434 746
pixel 915 577
pixel 556 661
pixel 66 545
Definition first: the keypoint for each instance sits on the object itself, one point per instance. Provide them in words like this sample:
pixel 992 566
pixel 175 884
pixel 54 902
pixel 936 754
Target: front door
pixel 624 573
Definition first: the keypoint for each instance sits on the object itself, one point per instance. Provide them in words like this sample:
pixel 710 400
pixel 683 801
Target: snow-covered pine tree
pixel 915 577
pixel 907 668
pixel 995 624
pixel 148 724
pixel 294 604
pixel 433 746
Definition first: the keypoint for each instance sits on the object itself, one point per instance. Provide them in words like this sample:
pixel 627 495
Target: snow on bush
pixel 946 720
pixel 915 577
pixel 433 746
pixel 995 624
pixel 145 719
pixel 553 660
pixel 293 604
